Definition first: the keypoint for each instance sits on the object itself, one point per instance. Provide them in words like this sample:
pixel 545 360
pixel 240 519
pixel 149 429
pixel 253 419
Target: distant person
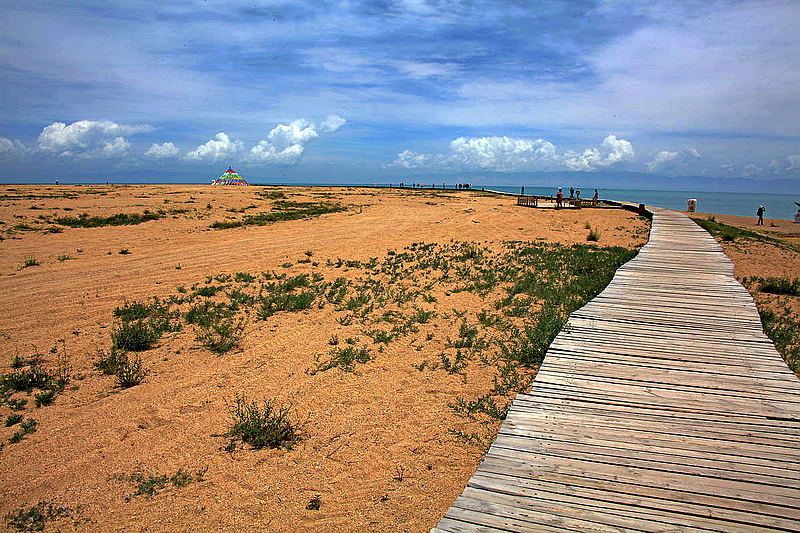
pixel 572 192
pixel 595 197
pixel 760 214
pixel 559 198
pixel 578 193
pixel 522 192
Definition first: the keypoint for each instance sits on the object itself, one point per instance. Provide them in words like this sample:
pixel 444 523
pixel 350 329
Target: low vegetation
pixel 266 426
pixel 37 516
pixel 282 210
pixel 119 219
pixel 731 234
pixel 778 299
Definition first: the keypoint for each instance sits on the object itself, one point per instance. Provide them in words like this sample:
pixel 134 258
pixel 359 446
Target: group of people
pixel 458 186
pixel 574 195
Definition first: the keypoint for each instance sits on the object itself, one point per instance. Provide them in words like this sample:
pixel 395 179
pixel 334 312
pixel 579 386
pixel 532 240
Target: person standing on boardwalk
pixel 572 192
pixel 522 192
pixel 760 214
pixel 559 198
pixel 595 197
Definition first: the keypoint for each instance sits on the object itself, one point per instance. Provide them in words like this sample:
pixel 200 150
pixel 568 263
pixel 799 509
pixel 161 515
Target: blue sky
pixel 376 91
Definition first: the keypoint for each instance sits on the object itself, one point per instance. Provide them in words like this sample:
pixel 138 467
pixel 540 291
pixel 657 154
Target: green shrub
pixel 260 427
pixel 344 358
pixel 119 219
pixel 221 336
pixel 134 336
pixel 130 371
pixel 44 398
pixel 13 418
pixel 29 262
pixel 785 286
pixel 108 363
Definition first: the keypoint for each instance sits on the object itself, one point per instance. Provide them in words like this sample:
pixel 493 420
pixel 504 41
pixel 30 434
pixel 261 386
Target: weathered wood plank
pixel 660 407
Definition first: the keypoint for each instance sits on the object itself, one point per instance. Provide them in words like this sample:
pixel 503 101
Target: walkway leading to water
pixel 660 407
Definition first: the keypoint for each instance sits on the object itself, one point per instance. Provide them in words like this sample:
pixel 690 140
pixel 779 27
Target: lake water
pixel 727 203
pixel 779 206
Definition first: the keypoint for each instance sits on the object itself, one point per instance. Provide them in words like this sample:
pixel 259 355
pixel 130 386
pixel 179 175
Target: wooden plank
pixel 660 407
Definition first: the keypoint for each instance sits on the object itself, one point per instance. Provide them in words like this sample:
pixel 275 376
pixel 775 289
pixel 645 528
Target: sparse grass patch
pixel 282 210
pixel 344 358
pixel 13 418
pixel 36 517
pixel 130 371
pixel 25 428
pixel 29 262
pixel 783 285
pixel 221 336
pixel 119 219
pixel 266 426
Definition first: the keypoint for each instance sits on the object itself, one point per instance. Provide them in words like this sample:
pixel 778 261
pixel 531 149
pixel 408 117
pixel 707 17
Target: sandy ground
pixel 754 258
pixel 376 447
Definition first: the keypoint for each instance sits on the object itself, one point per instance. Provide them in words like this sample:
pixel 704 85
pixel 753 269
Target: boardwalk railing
pixel 660 407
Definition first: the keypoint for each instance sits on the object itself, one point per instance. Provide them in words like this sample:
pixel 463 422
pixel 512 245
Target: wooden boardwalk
pixel 660 407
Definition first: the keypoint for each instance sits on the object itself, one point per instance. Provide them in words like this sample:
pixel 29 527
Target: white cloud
pixel 88 138
pixel 788 164
pixel 115 147
pixel 508 153
pixel 286 142
pixel 666 160
pixel 751 170
pixel 332 123
pixel 161 151
pixel 610 152
pixel 409 159
pixel 9 147
pixel 422 69
pixel 217 148
pixel 501 153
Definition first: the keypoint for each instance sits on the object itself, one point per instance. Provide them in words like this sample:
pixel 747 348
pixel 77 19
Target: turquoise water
pixel 727 203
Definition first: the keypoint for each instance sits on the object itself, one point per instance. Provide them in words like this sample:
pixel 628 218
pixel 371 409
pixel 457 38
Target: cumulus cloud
pixel 509 153
pixel 115 147
pixel 409 159
pixel 610 152
pixel 285 143
pixel 217 148
pixel 666 160
pixel 9 147
pixel 332 123
pixel 88 138
pixel 501 153
pixel 161 151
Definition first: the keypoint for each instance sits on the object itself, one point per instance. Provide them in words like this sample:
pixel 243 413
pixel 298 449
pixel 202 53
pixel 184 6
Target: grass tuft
pixel 266 426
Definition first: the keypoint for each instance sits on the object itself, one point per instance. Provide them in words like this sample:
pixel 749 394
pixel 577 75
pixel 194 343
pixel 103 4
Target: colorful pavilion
pixel 230 177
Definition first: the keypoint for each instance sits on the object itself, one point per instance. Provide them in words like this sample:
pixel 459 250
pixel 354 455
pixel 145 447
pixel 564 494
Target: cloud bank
pixel 504 154
pixel 88 138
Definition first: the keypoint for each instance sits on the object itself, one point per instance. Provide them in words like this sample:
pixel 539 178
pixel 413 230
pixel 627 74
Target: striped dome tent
pixel 230 177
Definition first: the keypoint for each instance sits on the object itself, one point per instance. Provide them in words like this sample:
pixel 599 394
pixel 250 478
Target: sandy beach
pixel 382 448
